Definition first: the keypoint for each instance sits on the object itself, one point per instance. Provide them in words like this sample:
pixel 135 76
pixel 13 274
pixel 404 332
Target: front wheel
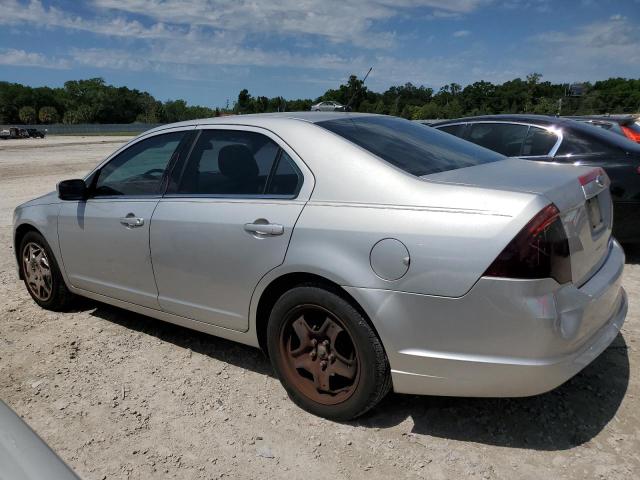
pixel 328 358
pixel 41 274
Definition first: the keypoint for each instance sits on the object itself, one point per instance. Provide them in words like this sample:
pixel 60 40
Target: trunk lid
pixel 580 193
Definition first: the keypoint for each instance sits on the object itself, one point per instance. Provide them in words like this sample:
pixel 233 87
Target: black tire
pixel 373 377
pixel 60 297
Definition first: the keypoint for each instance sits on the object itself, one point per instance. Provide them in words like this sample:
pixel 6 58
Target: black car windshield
pixel 412 147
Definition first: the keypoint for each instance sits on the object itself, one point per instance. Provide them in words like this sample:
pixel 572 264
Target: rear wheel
pixel 326 355
pixel 41 274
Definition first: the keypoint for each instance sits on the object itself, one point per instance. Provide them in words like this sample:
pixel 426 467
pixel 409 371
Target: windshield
pixel 413 147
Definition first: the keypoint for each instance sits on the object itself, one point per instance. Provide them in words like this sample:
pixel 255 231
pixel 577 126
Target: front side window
pixel 234 162
pixel 504 138
pixel 538 142
pixel 414 148
pixel 140 169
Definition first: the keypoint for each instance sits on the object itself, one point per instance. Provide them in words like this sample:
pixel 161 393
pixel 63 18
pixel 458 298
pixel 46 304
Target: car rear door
pixel 104 239
pixel 226 223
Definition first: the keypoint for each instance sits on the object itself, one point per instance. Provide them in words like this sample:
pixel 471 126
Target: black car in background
pixel 561 140
pixel 35 133
pixel 626 125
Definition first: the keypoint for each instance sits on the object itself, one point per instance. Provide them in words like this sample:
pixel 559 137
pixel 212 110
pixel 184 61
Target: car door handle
pixel 267 229
pixel 131 221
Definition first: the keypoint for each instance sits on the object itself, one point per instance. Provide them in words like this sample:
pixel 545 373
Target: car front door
pixel 104 240
pixel 226 223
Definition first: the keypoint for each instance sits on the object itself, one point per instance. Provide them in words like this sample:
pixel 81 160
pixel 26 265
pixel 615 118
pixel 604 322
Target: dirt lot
pixel 119 395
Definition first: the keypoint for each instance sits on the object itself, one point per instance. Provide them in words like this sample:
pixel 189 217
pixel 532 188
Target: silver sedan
pixel 363 253
pixel 328 106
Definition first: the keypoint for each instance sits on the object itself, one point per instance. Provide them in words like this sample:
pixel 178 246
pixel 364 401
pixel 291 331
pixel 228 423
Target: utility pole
pixel 559 106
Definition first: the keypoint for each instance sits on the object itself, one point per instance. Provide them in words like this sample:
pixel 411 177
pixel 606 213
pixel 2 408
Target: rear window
pixel 412 147
pixel 594 139
pixel 633 126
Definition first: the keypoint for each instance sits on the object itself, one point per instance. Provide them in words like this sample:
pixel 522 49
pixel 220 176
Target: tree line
pixel 531 95
pixel 90 101
pixel 93 101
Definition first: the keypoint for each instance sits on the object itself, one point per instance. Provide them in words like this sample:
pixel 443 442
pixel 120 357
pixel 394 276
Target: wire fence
pixel 90 128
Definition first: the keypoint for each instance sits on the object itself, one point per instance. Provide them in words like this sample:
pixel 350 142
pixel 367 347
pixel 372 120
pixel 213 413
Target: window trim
pixel 239 196
pixel 549 128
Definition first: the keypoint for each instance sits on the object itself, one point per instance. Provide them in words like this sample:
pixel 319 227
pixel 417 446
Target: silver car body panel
pixel 102 255
pixel 439 318
pixel 504 338
pixel 24 455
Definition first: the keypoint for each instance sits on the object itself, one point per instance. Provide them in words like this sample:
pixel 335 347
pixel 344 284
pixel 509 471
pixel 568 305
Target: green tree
pixel 27 115
pixel 82 114
pixel 244 103
pixel 48 115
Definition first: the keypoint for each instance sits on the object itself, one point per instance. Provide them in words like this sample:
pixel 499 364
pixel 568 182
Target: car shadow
pixel 214 347
pixel 566 417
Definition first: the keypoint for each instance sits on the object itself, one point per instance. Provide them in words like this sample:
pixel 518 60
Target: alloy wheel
pixel 318 354
pixel 37 271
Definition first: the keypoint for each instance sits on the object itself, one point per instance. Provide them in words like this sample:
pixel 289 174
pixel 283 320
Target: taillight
pixel 630 134
pixel 591 176
pixel 539 250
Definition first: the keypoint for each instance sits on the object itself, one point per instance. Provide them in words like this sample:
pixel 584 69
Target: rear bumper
pixel 504 338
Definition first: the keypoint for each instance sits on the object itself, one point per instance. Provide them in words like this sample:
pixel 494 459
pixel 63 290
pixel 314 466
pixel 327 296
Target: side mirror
pixel 74 189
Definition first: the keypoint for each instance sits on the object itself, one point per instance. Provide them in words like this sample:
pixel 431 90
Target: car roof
pixel 260 119
pixel 622 119
pixel 525 118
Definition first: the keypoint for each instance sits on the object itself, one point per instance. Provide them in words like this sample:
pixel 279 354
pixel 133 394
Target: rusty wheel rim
pixel 318 355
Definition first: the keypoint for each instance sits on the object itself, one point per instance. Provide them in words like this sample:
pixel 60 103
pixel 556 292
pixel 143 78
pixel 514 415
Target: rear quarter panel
pixel 449 248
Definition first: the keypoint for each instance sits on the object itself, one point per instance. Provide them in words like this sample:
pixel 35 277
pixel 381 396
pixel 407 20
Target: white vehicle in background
pixel 328 106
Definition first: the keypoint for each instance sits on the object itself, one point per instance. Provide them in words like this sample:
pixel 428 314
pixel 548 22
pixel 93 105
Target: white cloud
pixel 12 56
pixel 609 46
pixel 335 20
pixel 320 40
pixel 13 13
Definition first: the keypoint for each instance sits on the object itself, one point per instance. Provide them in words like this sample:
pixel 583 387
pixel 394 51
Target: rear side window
pixel 234 162
pixel 414 148
pixel 457 130
pixel 575 143
pixel 538 142
pixel 504 138
pixel 285 178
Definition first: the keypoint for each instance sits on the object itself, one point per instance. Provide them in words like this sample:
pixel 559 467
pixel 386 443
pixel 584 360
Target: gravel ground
pixel 119 395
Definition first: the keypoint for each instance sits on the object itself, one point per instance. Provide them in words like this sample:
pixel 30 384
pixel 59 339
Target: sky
pixel 206 51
